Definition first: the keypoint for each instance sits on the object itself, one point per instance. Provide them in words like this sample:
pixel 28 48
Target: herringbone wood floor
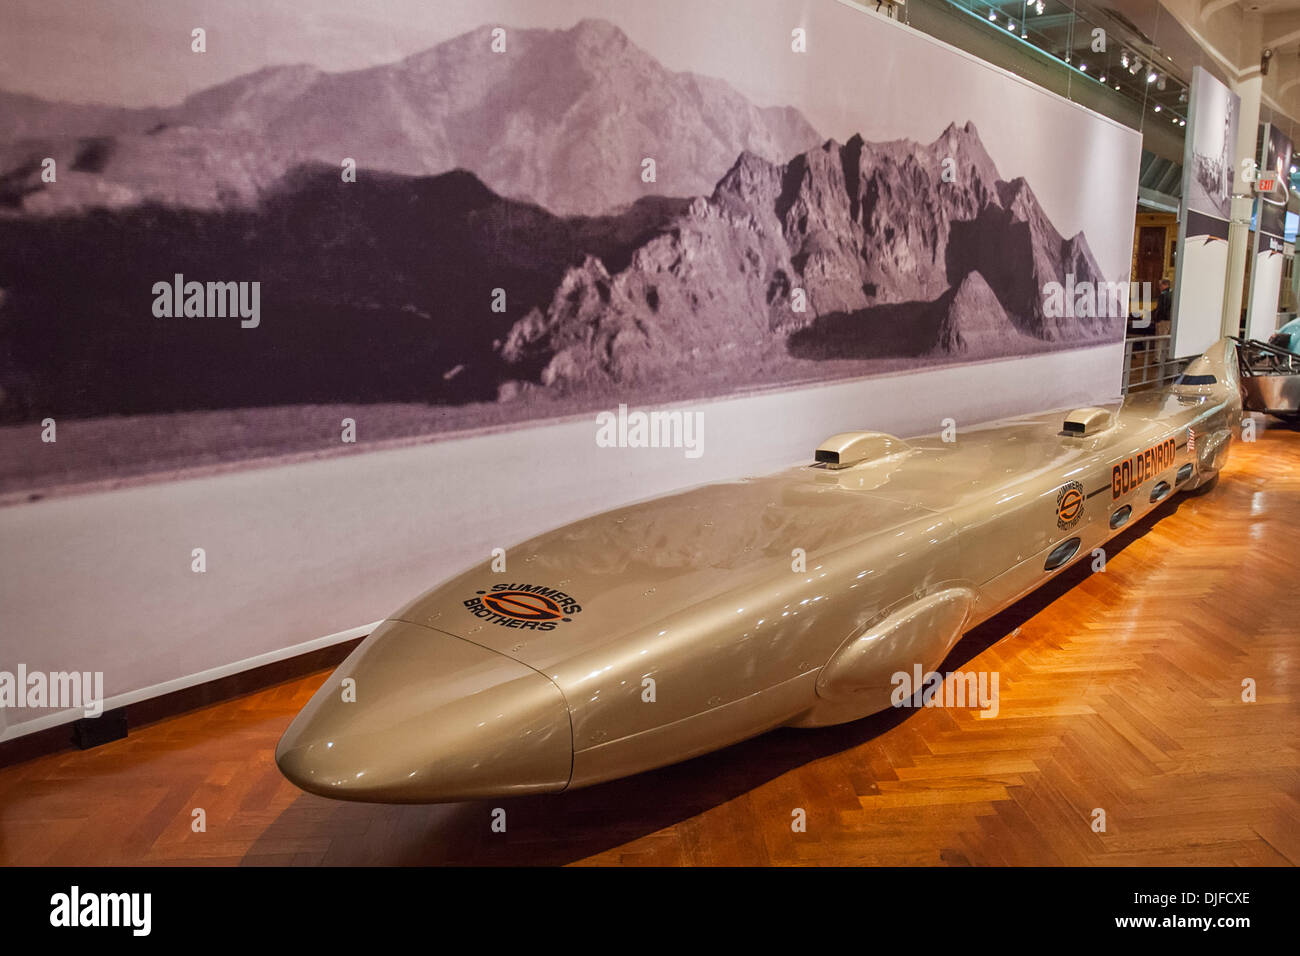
pixel 1119 690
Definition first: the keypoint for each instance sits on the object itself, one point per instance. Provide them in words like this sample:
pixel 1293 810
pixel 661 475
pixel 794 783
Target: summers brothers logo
pixel 532 607
pixel 1069 505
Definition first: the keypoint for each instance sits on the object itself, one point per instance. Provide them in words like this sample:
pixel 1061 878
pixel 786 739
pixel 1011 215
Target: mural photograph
pixel 514 223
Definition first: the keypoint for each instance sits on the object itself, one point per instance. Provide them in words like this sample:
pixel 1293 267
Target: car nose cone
pixel 434 719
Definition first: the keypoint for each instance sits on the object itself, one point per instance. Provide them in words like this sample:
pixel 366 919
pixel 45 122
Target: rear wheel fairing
pixel 858 679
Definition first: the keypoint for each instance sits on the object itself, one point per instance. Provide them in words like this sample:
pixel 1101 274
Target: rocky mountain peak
pixel 553 121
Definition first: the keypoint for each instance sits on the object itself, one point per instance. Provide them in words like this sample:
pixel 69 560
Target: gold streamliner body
pixel 663 630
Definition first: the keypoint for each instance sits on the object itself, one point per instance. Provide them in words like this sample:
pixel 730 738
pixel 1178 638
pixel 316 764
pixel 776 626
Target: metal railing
pixel 1148 362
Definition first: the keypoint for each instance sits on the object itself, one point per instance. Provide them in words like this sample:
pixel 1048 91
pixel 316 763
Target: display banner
pixel 322 306
pixel 1270 235
pixel 1202 271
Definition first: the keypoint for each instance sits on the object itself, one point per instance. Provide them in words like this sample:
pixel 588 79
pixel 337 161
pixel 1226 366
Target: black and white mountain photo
pixel 502 254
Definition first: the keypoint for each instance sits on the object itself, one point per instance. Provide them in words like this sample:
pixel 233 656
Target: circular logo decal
pixel 1069 505
pixel 533 607
pixel 523 605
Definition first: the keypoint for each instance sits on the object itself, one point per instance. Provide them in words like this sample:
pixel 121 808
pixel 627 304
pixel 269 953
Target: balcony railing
pixel 1148 362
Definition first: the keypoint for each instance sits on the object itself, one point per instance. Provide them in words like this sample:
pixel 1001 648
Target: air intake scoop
pixel 1087 421
pixel 852 448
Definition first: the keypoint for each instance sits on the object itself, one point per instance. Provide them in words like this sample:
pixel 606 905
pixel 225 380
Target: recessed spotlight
pixel 1158 107
pixel 1182 122
pixel 1103 78
pixel 1083 67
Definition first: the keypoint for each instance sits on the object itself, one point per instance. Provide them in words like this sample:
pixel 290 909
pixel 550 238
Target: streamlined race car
pixel 666 629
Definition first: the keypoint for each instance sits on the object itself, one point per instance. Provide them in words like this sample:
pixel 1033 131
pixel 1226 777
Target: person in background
pixel 1163 311
pixel 1146 323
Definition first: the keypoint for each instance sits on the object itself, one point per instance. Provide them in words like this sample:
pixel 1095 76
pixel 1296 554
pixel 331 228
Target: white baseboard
pixel 45 721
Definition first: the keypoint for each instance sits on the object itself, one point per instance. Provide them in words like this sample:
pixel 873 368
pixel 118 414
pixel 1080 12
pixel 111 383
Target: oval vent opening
pixel 1184 473
pixel 1120 517
pixel 1061 553
pixel 1160 491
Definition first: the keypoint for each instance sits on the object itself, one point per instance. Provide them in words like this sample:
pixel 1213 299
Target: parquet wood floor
pixel 1118 690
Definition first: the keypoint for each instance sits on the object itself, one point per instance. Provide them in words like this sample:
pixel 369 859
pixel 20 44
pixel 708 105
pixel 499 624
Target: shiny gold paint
pixel 699 625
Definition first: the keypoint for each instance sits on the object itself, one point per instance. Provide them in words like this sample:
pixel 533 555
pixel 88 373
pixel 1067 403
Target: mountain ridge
pixel 561 119
pixel 878 242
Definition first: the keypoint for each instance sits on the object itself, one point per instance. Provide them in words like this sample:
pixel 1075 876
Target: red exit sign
pixel 1266 185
